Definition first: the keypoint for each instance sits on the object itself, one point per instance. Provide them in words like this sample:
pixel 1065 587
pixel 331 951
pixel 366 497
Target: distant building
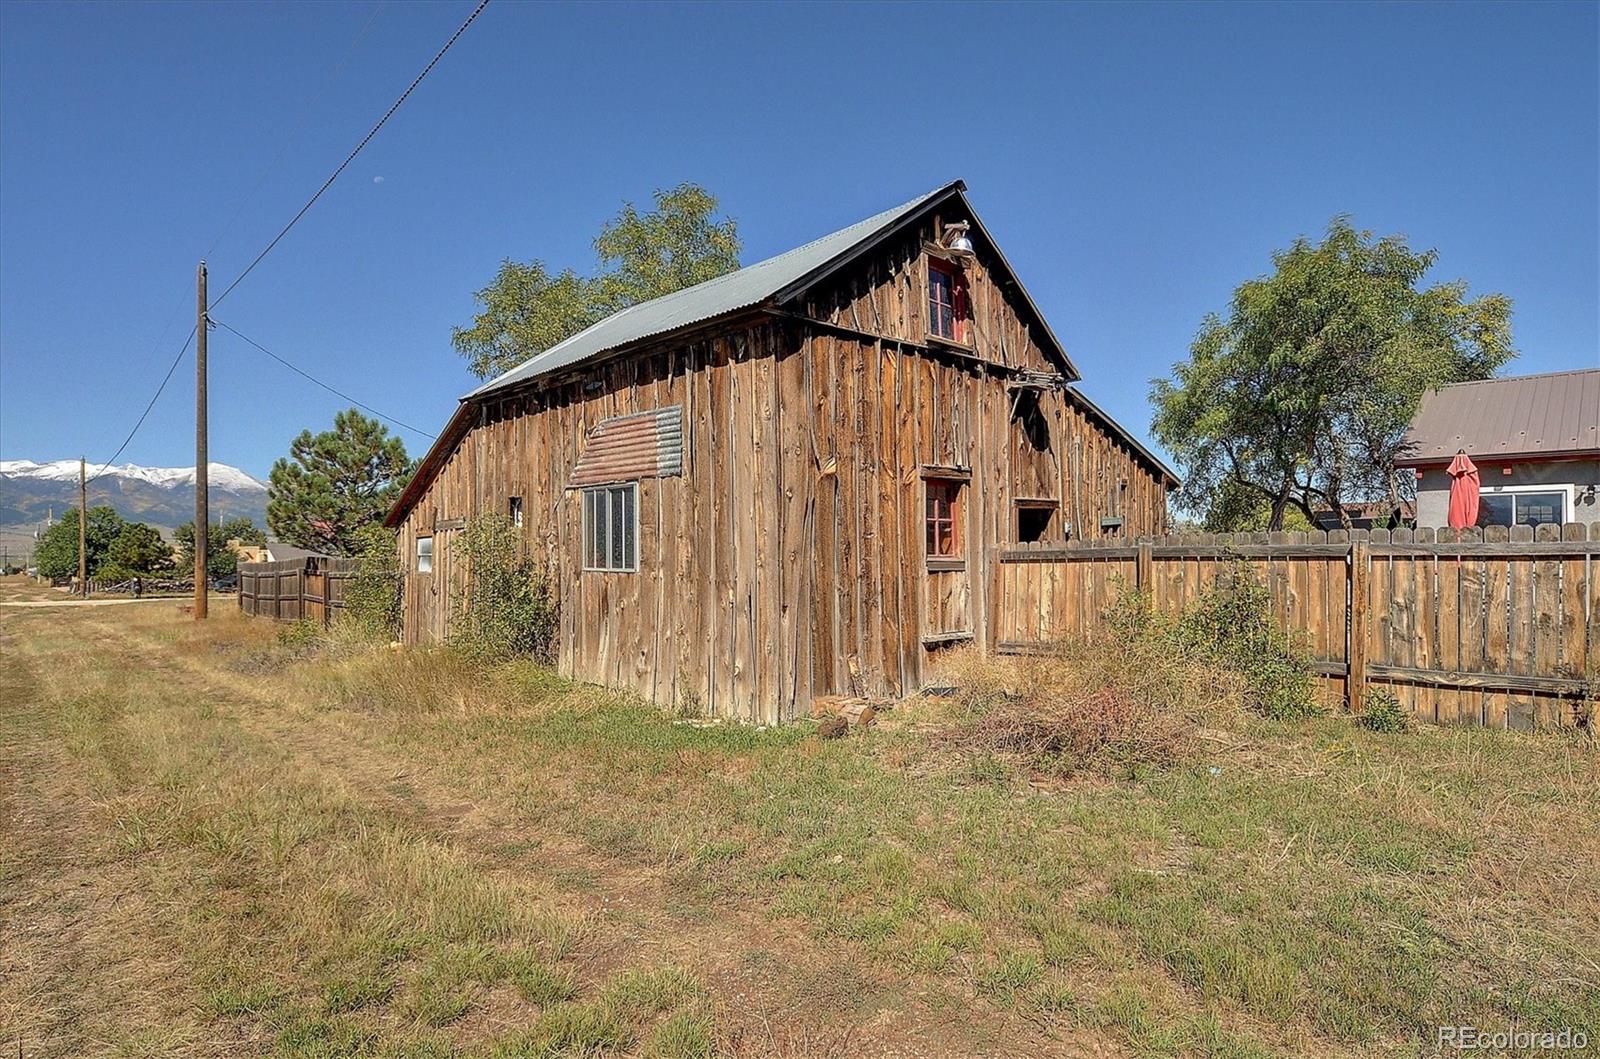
pixel 1378 514
pixel 1534 438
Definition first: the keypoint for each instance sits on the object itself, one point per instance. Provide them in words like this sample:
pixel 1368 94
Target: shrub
pixel 1382 712
pixel 504 607
pixel 372 595
pixel 1107 706
pixel 1138 693
pixel 1231 627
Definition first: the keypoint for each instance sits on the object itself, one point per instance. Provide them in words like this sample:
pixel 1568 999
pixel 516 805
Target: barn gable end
pixel 812 433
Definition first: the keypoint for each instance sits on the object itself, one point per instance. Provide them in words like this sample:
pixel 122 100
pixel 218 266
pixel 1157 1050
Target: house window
pixel 610 528
pixel 1036 521
pixel 424 555
pixel 1522 508
pixel 514 511
pixel 947 302
pixel 945 509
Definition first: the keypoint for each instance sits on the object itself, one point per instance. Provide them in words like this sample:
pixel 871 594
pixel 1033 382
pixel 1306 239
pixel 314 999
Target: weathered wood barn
pixel 788 481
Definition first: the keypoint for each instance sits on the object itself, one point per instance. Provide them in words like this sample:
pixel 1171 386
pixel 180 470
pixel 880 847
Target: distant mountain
pixel 161 496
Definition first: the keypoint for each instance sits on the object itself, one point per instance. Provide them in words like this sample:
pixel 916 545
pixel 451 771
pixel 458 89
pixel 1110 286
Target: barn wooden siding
pixel 786 560
pixel 1498 628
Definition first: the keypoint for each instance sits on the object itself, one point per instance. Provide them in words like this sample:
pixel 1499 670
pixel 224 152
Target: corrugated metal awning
pixel 626 448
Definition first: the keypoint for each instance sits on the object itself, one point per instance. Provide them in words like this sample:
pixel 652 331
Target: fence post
pixel 1143 565
pixel 1355 641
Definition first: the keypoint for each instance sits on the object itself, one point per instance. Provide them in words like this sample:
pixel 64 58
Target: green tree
pixel 335 483
pixel 527 309
pixel 56 554
pixel 1302 396
pixel 136 551
pixel 221 560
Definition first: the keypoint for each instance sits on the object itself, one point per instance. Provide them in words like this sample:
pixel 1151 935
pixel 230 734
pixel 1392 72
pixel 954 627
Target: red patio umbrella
pixel 1463 491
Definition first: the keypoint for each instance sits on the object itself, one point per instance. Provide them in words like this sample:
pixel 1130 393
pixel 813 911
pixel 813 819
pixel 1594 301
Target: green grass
pixel 348 851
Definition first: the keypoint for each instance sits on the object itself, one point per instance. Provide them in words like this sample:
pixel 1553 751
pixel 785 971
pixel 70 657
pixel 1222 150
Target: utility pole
pixel 83 528
pixel 202 505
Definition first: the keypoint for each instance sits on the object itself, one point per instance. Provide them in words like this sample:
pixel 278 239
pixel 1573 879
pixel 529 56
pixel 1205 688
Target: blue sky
pixel 1135 161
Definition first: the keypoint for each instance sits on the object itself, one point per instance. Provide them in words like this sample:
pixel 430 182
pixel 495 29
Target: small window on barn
pixel 1036 521
pixel 947 302
pixel 514 511
pixel 611 528
pixel 424 555
pixel 945 511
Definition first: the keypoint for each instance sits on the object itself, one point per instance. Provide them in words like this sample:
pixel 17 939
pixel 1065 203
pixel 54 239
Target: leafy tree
pixel 335 483
pixel 1302 396
pixel 527 309
pixel 221 560
pixel 372 595
pixel 56 554
pixel 136 551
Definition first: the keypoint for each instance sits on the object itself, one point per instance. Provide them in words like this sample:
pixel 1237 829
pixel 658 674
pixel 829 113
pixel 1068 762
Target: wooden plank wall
pixel 1499 627
pixel 787 560
pixel 287 590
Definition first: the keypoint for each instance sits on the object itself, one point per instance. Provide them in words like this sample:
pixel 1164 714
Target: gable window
pixel 943 516
pixel 514 511
pixel 424 555
pixel 1036 521
pixel 947 302
pixel 611 528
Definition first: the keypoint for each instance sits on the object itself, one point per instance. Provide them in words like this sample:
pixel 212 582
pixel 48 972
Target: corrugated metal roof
pixel 1554 414
pixel 748 286
pixel 626 448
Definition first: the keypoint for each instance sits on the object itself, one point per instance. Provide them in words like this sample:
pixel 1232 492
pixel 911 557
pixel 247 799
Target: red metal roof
pixel 1548 416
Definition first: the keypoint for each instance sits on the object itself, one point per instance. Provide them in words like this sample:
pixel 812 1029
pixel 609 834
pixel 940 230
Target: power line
pixel 305 118
pixel 292 222
pixel 143 415
pixel 352 155
pixel 312 378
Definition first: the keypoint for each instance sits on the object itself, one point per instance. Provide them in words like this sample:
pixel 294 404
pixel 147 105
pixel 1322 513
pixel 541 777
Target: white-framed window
pixel 611 527
pixel 424 555
pixel 514 510
pixel 1525 505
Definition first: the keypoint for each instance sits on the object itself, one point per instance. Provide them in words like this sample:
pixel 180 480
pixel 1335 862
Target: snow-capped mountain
pixel 218 476
pixel 161 496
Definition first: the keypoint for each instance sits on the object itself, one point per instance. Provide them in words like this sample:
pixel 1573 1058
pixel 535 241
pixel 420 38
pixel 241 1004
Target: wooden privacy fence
pixel 1495 627
pixel 295 589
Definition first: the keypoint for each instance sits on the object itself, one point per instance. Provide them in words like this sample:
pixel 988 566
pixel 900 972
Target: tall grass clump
pixel 372 595
pixel 1231 628
pixel 504 608
pixel 1138 692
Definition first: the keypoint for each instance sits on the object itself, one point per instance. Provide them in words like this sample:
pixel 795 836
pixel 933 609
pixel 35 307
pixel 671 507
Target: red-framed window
pixel 944 510
pixel 947 302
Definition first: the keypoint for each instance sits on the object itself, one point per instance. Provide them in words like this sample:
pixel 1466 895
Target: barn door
pixel 947 580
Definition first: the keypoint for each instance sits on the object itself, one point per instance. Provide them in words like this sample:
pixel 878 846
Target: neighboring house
pixel 277 552
pixel 1377 514
pixel 788 481
pixel 271 552
pixel 1534 438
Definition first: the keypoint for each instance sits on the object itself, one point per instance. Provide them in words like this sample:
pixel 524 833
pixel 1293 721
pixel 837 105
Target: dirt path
pixel 782 992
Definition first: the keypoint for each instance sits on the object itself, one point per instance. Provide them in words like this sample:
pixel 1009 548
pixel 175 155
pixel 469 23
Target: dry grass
pixel 1110 707
pixel 220 841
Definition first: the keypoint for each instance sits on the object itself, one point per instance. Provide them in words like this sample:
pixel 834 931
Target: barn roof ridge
pixel 742 288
